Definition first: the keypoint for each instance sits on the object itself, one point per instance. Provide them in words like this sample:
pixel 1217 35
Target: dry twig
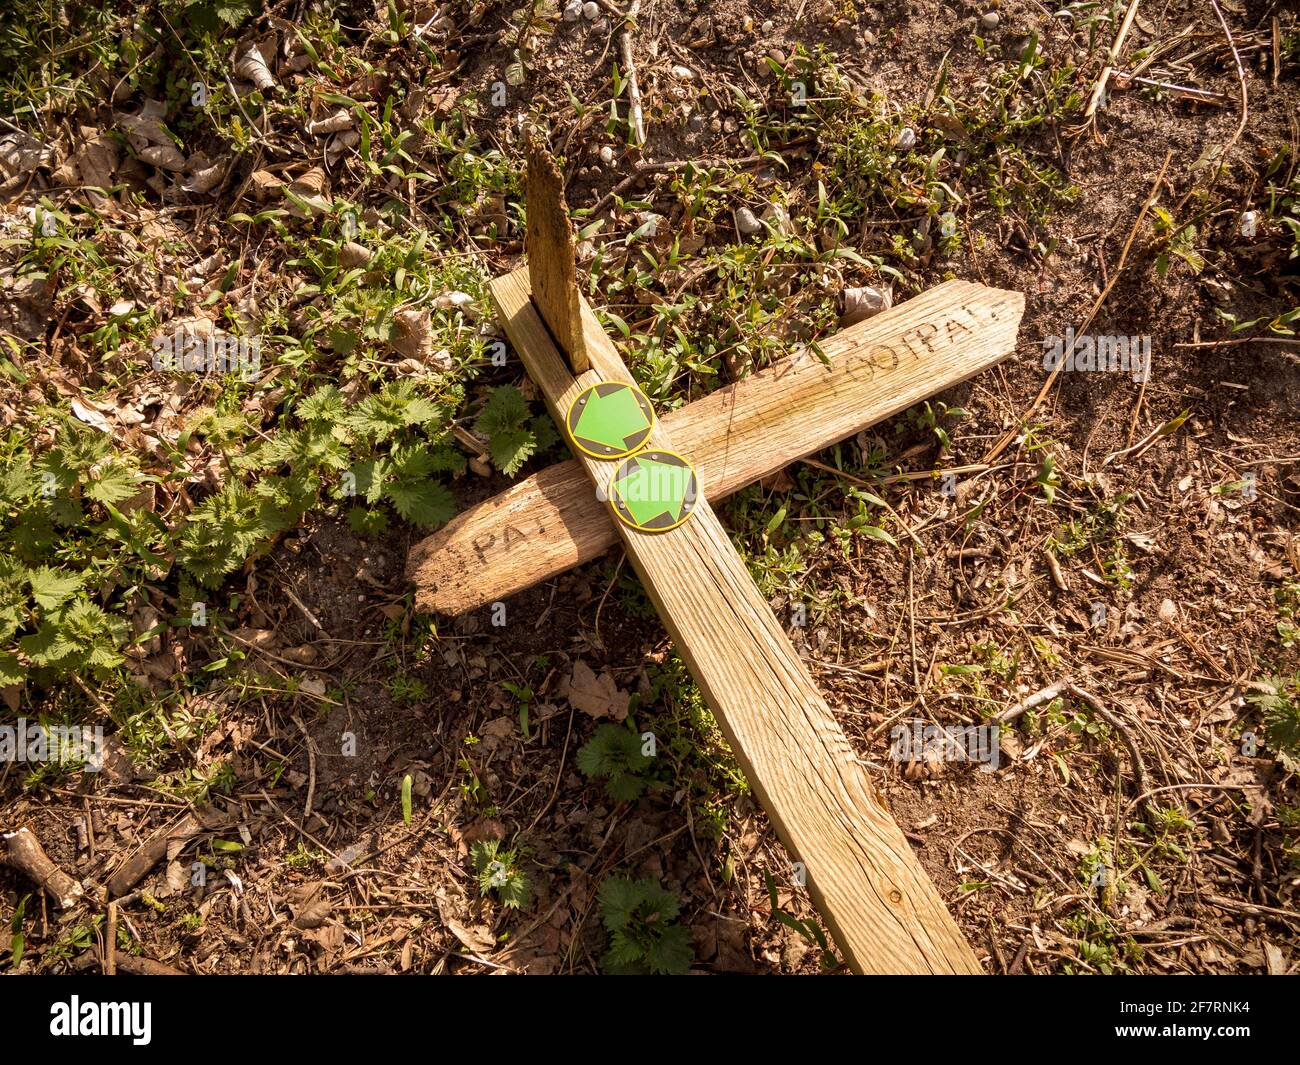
pixel 1099 89
pixel 629 72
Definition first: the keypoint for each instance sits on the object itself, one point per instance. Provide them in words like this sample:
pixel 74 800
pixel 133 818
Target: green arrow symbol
pixel 611 419
pixel 654 487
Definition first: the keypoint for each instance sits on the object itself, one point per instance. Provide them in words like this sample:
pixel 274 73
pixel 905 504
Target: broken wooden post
pixel 551 521
pixel 549 242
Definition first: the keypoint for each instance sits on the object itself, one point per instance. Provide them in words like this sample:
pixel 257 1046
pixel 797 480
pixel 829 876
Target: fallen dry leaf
pixel 478 939
pixel 252 67
pixel 596 696
pixel 312 188
pixel 414 337
pixel 164 157
pixel 91 416
pixel 340 119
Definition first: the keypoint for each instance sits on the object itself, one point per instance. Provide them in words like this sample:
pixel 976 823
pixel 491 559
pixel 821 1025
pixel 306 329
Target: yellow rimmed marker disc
pixel 610 420
pixel 654 490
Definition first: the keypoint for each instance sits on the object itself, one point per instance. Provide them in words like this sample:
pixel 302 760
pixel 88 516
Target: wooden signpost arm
pixel 881 908
pixel 551 521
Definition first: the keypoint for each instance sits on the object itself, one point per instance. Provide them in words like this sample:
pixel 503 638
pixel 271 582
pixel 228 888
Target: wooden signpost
pixel 880 906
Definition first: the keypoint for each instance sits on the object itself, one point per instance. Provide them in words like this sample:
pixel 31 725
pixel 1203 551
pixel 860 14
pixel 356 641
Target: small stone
pixel 768 28
pixel 682 73
pixel 906 139
pixel 777 56
pixel 1249 224
pixel 607 155
pixel 747 223
pixel 600 26
pixel 730 125
pixel 869 39
pixel 989 20
pixel 573 11
pixel 590 10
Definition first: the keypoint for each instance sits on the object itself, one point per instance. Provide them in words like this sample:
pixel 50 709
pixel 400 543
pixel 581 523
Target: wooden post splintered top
pixel 552 270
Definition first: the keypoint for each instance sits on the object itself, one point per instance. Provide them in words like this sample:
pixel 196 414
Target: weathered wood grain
pixel 882 909
pixel 551 521
pixel 549 243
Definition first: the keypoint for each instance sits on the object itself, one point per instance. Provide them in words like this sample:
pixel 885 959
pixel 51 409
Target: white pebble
pixel 906 139
pixel 682 73
pixel 573 11
pixel 990 20
pixel 747 223
pixel 590 10
pixel 607 155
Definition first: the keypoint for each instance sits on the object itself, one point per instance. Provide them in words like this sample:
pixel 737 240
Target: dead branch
pixel 1099 89
pixel 1126 735
pixel 1031 702
pixel 136 867
pixel 23 851
pixel 629 71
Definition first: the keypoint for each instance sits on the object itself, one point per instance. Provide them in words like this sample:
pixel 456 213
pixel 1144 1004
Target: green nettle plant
pixel 71 633
pixel 514 434
pixel 644 937
pixel 82 526
pixel 389 448
pixel 614 755
pixel 1280 707
pixel 48 612
pixel 499 873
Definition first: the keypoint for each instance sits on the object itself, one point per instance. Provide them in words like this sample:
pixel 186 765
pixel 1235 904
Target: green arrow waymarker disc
pixel 654 491
pixel 610 420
